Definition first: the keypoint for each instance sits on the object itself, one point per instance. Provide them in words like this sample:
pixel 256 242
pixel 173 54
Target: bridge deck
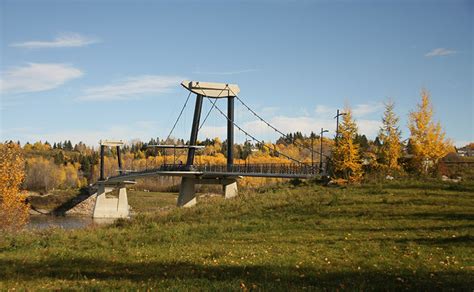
pixel 215 171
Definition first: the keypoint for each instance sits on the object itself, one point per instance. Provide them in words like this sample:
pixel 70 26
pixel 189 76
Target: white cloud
pixel 212 132
pixel 131 88
pixel 462 143
pixel 324 110
pixel 269 110
pixel 306 125
pixel 369 127
pixel 361 110
pixel 440 52
pixel 60 41
pixel 37 77
pixel 142 130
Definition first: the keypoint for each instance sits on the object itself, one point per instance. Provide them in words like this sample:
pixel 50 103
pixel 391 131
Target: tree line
pixel 347 157
pixel 45 166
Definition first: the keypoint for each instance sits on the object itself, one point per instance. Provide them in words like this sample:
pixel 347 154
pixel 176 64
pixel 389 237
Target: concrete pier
pixel 187 189
pixel 230 190
pixel 187 192
pixel 111 207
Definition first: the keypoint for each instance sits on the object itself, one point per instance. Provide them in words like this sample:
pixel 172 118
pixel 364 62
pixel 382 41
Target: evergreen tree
pixel 389 138
pixel 59 158
pixel 346 158
pixel 69 145
pixel 362 141
pixel 377 142
pixel 86 167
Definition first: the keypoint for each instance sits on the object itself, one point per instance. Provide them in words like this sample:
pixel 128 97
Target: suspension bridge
pixel 192 173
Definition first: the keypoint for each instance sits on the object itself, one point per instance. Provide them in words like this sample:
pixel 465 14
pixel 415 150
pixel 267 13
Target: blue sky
pixel 90 70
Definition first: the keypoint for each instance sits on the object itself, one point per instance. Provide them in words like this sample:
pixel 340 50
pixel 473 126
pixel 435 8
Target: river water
pixel 64 222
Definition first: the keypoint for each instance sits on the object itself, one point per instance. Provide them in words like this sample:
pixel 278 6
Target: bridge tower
pixel 187 193
pixel 110 207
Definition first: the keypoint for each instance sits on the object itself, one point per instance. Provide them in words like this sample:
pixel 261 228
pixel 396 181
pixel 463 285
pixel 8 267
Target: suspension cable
pixel 213 105
pixel 179 116
pixel 248 134
pixel 258 141
pixel 271 126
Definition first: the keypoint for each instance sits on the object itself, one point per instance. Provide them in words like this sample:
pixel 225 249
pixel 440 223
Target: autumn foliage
pixel 346 157
pixel 427 141
pixel 13 208
pixel 63 165
pixel 389 136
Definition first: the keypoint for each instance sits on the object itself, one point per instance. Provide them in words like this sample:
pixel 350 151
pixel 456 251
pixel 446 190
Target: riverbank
pixel 57 202
pixel 399 235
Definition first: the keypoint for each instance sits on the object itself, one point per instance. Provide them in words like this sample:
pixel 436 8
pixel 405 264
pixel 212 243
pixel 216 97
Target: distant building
pixel 465 151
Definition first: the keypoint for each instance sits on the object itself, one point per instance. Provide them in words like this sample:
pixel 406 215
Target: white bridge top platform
pixel 211 89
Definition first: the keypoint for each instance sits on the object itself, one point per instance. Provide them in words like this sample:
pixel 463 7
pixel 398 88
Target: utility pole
pixel 321 150
pixel 337 123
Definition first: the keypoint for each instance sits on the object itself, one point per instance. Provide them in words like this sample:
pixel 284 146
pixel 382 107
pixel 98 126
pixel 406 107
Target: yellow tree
pixel 389 136
pixel 346 157
pixel 13 209
pixel 427 139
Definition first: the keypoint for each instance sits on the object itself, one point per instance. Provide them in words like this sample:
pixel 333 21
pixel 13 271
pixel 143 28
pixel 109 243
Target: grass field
pixel 401 235
pixel 150 202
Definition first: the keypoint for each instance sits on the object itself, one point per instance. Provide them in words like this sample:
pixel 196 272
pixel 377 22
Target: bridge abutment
pixel 187 189
pixel 111 207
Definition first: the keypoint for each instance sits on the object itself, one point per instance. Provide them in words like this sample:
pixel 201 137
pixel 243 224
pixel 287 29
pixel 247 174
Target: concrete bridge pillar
pixel 111 207
pixel 187 192
pixel 230 190
pixel 187 189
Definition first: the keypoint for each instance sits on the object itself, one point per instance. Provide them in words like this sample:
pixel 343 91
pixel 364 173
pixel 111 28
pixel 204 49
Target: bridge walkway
pixel 269 170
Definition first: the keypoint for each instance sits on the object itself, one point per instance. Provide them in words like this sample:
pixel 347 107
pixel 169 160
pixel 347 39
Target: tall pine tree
pixel 346 157
pixel 389 137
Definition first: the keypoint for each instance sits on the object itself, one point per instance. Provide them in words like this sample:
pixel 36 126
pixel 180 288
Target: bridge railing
pixel 261 168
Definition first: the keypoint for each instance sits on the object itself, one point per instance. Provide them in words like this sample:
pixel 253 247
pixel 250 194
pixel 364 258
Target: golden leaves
pixel 389 136
pixel 13 208
pixel 428 143
pixel 346 156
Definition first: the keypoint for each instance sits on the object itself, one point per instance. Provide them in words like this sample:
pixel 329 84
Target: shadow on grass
pixel 442 216
pixel 466 240
pixel 261 276
pixel 425 186
pixel 398 229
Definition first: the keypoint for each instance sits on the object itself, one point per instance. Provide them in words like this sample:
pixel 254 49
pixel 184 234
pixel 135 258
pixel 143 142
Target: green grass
pixel 402 235
pixel 148 202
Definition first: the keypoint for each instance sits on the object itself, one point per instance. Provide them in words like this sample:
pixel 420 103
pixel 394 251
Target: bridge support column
pixel 102 176
pixel 111 207
pixel 230 190
pixel 230 132
pixel 194 130
pixel 187 192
